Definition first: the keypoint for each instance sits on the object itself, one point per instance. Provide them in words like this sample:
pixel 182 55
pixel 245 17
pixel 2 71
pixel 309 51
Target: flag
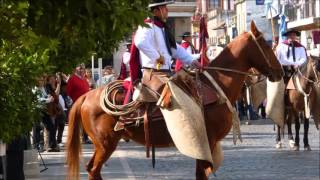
pixel 270 5
pixel 203 41
pixel 282 28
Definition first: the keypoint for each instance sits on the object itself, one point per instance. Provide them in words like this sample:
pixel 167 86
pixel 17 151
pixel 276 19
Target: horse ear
pixel 254 28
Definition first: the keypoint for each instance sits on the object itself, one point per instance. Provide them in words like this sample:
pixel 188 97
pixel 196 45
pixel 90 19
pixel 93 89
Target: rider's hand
pixel 196 64
pixel 51 98
pixel 160 62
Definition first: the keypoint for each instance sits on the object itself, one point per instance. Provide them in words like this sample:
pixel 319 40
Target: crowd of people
pixel 56 94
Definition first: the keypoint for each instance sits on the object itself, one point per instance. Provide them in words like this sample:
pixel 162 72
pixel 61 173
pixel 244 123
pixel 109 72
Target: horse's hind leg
pixel 90 163
pixel 101 154
pixel 305 135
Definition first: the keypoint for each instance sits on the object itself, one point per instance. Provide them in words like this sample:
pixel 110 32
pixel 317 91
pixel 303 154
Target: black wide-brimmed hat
pixel 128 42
pixel 186 34
pixel 289 31
pixel 156 3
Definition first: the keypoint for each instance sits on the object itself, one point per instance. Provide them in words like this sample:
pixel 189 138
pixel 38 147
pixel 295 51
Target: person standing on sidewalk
pixel 77 85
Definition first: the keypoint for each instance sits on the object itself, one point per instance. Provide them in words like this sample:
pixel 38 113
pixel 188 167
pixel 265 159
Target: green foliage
pixel 86 26
pixel 40 36
pixel 23 57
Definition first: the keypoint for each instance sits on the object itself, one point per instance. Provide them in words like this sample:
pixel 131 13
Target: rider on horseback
pixel 291 54
pixel 155 46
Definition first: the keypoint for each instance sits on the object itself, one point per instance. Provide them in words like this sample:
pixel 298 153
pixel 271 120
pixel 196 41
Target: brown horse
pixel 308 76
pixel 246 51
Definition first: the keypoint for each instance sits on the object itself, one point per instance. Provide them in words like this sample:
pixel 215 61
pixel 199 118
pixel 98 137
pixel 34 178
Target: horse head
pixel 313 70
pixel 261 55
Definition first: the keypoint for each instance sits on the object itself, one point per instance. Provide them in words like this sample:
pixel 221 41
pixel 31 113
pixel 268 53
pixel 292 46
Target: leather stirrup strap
pixel 146 130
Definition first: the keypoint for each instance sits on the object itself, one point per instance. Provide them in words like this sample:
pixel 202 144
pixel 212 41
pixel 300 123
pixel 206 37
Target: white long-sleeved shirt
pixel 151 43
pixel 300 54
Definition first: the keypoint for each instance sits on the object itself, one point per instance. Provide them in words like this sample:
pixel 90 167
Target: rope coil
pixel 108 100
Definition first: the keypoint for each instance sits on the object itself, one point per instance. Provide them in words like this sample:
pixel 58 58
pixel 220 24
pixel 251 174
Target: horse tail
pixel 73 140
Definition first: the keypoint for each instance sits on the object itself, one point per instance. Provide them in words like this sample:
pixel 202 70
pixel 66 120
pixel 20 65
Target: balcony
pixel 182 8
pixel 304 16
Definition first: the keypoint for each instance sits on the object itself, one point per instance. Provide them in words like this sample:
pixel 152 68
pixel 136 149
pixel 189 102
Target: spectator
pixel 77 86
pixel 90 80
pixel 108 75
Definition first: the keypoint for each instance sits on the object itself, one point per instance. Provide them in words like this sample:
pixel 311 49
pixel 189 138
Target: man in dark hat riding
pixel 290 53
pixel 187 44
pixel 156 45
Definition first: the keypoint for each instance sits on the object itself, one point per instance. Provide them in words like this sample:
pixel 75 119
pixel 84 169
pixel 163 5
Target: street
pixel 254 158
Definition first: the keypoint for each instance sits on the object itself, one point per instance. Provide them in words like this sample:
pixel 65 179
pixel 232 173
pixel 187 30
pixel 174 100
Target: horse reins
pixel 309 80
pixel 231 70
pixel 255 39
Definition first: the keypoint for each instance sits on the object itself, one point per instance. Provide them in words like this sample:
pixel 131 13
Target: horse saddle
pixel 153 89
pixel 291 84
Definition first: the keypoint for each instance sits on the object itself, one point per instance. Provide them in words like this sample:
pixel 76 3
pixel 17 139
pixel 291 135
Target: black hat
pixel 186 34
pixel 128 42
pixel 291 31
pixel 155 3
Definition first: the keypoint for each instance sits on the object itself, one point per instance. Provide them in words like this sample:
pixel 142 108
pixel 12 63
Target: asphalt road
pixel 254 158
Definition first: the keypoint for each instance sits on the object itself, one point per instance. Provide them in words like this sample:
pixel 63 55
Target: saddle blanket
pixel 185 123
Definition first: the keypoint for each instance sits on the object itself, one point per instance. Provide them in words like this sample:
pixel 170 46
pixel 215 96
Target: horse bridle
pixel 255 39
pixel 317 82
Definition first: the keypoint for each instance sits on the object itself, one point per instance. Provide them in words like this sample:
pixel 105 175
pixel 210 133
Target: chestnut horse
pixel 246 51
pixel 308 75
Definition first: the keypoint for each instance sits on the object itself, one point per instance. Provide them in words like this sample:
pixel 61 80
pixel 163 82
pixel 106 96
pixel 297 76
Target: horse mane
pixel 227 49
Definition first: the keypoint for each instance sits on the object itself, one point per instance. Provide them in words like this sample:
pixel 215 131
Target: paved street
pixel 255 158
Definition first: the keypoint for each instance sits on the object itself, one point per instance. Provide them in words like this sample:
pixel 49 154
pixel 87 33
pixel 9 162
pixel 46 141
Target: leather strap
pixel 146 131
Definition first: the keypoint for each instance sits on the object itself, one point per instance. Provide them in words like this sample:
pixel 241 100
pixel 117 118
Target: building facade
pixel 304 15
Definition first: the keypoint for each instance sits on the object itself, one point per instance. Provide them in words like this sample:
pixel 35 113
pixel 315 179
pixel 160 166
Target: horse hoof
pixel 296 148
pixel 279 145
pixel 291 143
pixel 248 122
pixel 307 148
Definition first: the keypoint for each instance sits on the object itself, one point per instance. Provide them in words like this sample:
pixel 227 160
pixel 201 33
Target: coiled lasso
pixel 108 103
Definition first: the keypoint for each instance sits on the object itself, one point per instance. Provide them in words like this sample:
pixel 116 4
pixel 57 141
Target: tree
pixel 85 26
pixel 38 37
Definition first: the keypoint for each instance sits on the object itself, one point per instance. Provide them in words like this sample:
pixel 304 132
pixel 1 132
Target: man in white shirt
pixel 157 45
pixel 153 49
pixel 290 53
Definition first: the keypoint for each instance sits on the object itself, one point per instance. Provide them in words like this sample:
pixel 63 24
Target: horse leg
pixel 297 128
pixel 305 135
pixel 278 139
pixel 203 169
pixel 101 154
pixel 290 136
pixel 90 163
